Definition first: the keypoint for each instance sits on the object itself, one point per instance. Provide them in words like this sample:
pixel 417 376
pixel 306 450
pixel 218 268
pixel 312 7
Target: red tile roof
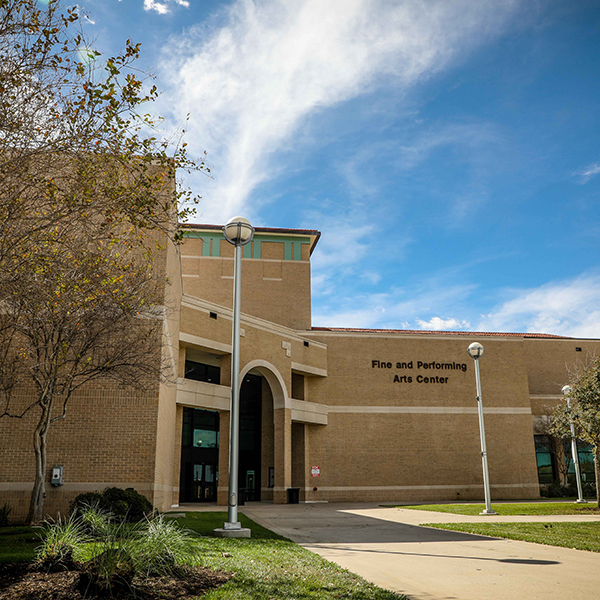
pixel 259 229
pixel 434 332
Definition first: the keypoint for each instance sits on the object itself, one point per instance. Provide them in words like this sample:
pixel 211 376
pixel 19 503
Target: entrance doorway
pixel 249 475
pixel 199 475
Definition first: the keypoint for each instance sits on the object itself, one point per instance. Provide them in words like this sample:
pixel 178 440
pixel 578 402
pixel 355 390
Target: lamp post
pixel 238 232
pixel 566 390
pixel 475 351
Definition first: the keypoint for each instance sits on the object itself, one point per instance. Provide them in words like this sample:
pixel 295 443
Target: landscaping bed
pixel 27 581
pixel 264 566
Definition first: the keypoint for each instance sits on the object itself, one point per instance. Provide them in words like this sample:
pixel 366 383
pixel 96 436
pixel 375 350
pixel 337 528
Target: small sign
pixel 315 471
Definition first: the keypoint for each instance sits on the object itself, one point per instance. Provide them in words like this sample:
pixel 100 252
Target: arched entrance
pixel 265 433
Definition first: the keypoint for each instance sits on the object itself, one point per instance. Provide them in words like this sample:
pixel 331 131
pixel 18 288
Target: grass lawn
pixel 265 566
pixel 513 508
pixel 582 536
pixel 18 544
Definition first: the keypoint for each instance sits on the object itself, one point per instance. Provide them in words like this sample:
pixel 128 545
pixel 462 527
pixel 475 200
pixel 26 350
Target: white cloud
pixel 162 8
pixel 252 82
pixel 570 308
pixel 586 174
pixel 439 324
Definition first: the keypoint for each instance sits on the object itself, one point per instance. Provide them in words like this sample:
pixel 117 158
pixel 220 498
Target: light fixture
pixel 238 232
pixel 475 351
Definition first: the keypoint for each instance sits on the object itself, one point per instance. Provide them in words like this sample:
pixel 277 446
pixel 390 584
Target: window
pixel 586 461
pixel 202 372
pixel 545 463
pixel 200 428
pixel 202 366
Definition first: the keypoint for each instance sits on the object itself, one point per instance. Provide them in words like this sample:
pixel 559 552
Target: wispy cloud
pixel 569 308
pixel 253 80
pixel 407 307
pixel 588 172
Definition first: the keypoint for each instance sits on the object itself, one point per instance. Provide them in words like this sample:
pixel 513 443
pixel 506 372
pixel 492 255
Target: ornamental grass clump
pixel 162 547
pixel 112 555
pixel 61 539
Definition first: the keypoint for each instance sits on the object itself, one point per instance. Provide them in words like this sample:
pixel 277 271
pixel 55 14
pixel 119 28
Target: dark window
pixel 545 463
pixel 201 372
pixel 586 461
pixel 297 386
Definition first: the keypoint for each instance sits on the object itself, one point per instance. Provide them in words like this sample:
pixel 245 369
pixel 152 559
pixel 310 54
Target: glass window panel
pixel 206 439
pixel 209 474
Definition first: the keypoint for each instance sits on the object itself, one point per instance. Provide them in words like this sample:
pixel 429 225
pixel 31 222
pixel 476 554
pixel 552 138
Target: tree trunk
pixel 38 494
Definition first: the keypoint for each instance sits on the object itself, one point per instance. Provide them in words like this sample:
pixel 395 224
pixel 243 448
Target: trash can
pixel 293 495
pixel 241 496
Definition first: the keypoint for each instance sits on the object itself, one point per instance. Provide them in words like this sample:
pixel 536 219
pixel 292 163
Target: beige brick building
pixel 340 414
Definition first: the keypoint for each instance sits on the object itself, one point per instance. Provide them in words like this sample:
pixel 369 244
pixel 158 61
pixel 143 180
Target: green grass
pixel 516 508
pixel 582 536
pixel 204 523
pixel 265 566
pixel 18 544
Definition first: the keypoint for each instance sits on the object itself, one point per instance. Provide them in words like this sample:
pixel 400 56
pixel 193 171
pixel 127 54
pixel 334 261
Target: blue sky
pixel 449 151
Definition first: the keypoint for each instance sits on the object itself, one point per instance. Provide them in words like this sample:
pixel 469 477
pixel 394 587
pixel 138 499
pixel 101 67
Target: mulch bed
pixel 28 582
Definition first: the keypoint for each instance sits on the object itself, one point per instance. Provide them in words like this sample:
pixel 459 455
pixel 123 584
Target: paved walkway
pixel 387 546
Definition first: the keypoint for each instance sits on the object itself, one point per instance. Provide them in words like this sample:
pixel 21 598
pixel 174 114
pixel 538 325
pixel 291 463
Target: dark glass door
pixel 204 482
pixel 199 474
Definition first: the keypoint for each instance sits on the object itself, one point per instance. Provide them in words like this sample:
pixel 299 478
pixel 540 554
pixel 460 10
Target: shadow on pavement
pixel 348 549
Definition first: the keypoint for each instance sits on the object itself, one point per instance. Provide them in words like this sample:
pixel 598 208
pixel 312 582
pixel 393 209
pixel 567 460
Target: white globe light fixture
pixel 566 391
pixel 475 351
pixel 238 232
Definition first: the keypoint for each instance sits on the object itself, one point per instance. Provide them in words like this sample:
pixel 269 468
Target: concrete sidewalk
pixel 387 546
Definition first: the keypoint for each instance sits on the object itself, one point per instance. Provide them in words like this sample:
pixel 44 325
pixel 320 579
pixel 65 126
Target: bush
pixel 556 490
pixel 4 514
pixel 124 505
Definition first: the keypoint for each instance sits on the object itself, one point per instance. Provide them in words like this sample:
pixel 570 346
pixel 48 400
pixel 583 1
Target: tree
pixel 556 444
pixel 88 206
pixel 584 412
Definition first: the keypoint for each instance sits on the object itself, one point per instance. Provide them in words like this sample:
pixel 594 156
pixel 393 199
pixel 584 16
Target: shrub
pixel 4 514
pixel 556 490
pixel 124 505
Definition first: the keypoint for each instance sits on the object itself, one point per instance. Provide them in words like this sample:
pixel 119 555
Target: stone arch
pixel 274 379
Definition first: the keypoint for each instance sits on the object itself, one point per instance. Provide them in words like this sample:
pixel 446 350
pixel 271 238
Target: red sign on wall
pixel 315 471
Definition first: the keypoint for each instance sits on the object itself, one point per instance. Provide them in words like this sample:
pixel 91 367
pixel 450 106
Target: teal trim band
pixel 292 245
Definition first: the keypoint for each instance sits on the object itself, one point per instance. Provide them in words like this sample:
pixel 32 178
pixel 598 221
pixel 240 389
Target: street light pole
pixel 566 390
pixel 475 351
pixel 238 232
